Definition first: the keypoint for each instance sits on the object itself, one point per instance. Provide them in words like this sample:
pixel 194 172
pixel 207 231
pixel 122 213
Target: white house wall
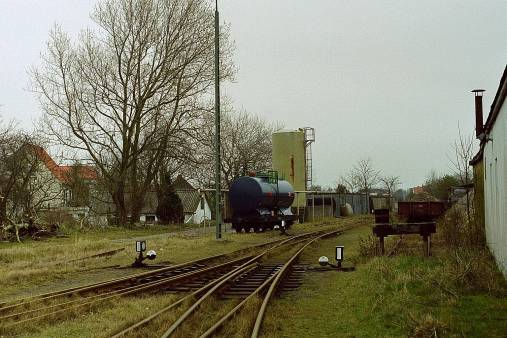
pixel 201 214
pixel 49 192
pixel 495 189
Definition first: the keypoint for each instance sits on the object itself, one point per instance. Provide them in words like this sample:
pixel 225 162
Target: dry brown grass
pixel 475 270
pixel 426 326
pixel 457 230
pixel 27 265
pixel 470 265
pixel 368 246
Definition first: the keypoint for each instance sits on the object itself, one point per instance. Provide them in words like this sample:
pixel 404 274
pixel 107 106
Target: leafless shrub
pixel 368 246
pixel 463 152
pixel 475 270
pixel 457 230
pixel 469 266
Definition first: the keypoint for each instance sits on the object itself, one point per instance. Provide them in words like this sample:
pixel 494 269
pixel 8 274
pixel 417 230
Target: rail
pixel 210 289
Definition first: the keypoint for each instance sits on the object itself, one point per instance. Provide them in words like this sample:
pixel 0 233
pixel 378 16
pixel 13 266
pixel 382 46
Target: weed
pixel 368 246
pixel 426 327
pixel 457 230
pixel 469 265
pixel 475 270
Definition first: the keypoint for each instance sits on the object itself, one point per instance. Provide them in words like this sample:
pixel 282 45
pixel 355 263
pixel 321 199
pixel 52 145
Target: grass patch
pixel 399 296
pixel 405 295
pixel 35 267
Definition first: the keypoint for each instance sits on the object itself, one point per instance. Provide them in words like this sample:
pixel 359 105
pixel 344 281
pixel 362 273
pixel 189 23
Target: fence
pixel 322 204
pixel 308 205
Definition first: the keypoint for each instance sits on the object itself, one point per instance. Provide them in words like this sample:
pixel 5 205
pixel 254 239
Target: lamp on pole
pixel 218 216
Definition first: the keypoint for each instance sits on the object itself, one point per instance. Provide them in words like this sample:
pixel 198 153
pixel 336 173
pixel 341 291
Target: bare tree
pixel 246 146
pixel 391 184
pixel 364 176
pixel 463 153
pixel 346 183
pixel 128 94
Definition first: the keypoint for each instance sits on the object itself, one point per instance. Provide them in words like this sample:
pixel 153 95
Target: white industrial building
pixel 493 136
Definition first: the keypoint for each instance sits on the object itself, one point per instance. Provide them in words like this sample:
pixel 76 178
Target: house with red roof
pixel 56 182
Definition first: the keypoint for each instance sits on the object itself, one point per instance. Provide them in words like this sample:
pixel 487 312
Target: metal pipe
pixel 479 124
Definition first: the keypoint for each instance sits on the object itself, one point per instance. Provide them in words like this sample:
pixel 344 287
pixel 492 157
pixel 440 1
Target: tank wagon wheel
pixel 247 228
pixel 258 228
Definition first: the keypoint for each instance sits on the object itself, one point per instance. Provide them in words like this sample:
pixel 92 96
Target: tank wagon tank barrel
pixel 260 203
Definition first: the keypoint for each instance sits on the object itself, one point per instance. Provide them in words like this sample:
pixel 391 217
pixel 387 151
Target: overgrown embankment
pixel 458 292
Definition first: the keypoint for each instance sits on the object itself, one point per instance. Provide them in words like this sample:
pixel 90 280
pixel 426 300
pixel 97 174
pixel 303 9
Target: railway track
pixel 203 271
pixel 117 283
pixel 245 282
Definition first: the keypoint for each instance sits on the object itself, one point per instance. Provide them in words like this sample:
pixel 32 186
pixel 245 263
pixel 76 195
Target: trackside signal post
pixel 218 216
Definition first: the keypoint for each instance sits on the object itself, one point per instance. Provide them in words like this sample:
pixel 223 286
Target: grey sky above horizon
pixel 389 80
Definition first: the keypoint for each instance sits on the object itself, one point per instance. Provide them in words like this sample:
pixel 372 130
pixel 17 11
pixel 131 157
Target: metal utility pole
pixel 218 192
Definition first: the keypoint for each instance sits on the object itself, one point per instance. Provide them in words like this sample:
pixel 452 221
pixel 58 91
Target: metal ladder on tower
pixel 309 139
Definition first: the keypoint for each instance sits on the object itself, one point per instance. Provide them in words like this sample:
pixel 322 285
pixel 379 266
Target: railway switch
pixel 140 248
pixel 326 266
pixel 339 255
pixel 323 260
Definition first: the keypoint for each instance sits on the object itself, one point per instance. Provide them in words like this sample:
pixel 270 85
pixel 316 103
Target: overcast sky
pixel 389 80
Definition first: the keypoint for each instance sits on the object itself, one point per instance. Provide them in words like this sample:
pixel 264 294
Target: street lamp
pixel 218 216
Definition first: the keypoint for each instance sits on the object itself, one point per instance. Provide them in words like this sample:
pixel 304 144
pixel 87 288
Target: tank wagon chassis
pixel 261 222
pixel 261 203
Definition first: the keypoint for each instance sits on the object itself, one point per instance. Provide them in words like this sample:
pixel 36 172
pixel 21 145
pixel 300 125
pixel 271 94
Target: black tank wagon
pixel 260 202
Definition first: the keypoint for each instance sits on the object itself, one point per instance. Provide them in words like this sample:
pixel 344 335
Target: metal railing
pixel 309 205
